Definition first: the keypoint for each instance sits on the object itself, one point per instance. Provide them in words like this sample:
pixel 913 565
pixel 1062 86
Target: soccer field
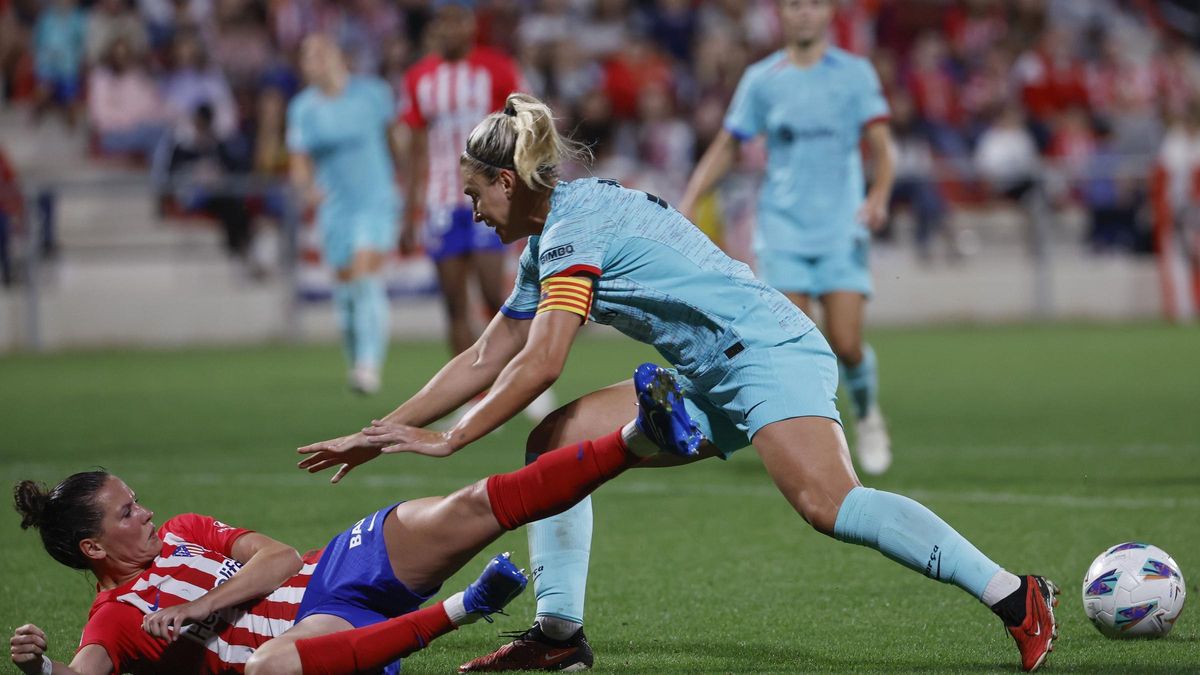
pixel 1043 446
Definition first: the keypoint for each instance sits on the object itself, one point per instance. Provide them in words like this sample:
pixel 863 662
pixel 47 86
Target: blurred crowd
pixel 990 98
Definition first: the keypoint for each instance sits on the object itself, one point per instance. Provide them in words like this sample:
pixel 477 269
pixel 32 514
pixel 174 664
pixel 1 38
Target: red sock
pixel 557 480
pixel 370 648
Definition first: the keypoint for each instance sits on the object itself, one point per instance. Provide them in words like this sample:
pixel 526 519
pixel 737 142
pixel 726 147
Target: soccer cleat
pixel 364 379
pixel 500 582
pixel 534 650
pixel 1035 634
pixel 873 447
pixel 662 416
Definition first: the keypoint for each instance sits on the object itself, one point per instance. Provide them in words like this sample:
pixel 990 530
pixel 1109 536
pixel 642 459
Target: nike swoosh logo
pixel 157 597
pixel 555 656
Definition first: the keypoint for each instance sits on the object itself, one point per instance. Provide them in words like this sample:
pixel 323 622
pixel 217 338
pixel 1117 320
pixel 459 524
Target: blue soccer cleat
pixel 500 582
pixel 662 416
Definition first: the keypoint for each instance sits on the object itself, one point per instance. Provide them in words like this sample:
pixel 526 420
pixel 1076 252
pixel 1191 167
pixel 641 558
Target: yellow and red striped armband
pixel 570 294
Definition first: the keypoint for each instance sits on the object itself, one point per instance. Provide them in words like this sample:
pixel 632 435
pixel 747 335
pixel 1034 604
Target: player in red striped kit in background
pixel 443 97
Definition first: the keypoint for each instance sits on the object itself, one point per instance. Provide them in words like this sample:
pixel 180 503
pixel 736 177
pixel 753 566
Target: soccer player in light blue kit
pixel 814 103
pixel 339 134
pixel 752 368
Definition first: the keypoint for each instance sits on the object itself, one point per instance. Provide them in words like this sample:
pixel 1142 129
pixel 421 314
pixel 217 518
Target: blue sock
pixel 559 549
pixel 343 306
pixel 370 320
pixel 862 381
pixel 913 536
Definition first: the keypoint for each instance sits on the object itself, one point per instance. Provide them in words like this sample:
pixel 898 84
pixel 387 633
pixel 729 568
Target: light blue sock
pixel 559 549
pixel 343 307
pixel 862 381
pixel 370 320
pixel 913 536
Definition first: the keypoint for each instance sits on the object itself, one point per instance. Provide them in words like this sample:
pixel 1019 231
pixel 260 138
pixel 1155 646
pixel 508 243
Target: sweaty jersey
pixel 347 138
pixel 658 278
pixel 448 98
pixel 196 557
pixel 813 119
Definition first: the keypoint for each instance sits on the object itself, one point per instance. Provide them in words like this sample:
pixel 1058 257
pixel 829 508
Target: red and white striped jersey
pixel 447 99
pixel 196 557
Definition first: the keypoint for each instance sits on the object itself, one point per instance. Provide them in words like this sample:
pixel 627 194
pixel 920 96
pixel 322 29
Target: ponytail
pixel 64 515
pixel 523 139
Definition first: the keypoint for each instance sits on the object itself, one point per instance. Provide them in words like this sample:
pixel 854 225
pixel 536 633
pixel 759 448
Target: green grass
pixel 1042 445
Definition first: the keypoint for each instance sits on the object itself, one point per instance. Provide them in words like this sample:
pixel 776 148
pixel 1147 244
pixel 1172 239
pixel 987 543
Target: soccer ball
pixel 1133 590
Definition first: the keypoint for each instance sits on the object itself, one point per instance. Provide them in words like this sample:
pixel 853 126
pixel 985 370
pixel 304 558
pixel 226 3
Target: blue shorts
pixel 761 385
pixel 842 269
pixel 354 578
pixel 343 234
pixel 452 232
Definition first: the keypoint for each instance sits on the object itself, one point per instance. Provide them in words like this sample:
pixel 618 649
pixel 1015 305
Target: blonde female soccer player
pixel 753 370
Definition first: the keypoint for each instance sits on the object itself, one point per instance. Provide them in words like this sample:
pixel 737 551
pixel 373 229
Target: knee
pixel 848 351
pixel 274 658
pixel 819 508
pixel 547 435
pixel 471 501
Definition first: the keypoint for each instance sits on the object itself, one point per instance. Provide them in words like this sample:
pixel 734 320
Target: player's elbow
pixel 287 560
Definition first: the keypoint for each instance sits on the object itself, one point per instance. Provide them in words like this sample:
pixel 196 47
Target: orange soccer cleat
pixel 1035 634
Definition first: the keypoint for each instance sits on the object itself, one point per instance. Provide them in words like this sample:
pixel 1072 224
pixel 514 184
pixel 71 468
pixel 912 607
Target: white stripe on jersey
pixel 227 652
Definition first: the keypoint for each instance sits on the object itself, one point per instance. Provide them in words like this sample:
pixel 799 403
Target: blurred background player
pixel 444 96
pixel 339 134
pixel 815 103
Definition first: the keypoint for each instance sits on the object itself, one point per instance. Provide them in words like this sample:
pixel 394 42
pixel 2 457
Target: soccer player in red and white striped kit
pixel 199 596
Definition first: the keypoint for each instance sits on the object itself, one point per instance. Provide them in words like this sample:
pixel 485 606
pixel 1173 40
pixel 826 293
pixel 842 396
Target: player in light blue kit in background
pixel 752 368
pixel 342 157
pixel 814 103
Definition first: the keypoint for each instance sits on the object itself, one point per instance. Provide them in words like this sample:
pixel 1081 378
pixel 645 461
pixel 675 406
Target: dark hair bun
pixel 30 498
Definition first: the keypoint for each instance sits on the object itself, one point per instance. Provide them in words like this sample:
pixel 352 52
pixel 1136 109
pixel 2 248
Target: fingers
pixel 315 447
pixel 325 463
pixel 341 473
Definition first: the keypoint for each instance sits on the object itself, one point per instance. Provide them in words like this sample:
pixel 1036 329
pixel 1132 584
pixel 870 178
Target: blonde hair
pixel 521 138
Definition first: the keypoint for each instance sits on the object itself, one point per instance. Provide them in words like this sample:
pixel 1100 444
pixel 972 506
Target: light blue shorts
pixel 761 385
pixel 843 269
pixel 373 229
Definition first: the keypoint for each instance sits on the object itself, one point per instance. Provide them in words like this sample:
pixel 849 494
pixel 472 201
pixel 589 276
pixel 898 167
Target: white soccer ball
pixel 1133 590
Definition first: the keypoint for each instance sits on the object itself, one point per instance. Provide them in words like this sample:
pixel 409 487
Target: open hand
pixel 347 451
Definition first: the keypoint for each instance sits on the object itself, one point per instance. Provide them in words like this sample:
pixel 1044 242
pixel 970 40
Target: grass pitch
pixel 1041 445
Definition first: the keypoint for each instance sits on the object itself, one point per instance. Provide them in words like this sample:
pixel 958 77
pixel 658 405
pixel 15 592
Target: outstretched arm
pixel 521 380
pixel 882 151
pixel 716 162
pixel 464 377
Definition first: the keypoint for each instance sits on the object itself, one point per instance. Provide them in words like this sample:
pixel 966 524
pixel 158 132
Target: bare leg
pixel 810 464
pixel 801 300
pixel 279 655
pixel 844 325
pixel 452 277
pixel 489 274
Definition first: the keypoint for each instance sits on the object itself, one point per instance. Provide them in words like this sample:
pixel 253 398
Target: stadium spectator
pixel 241 45
pixel 637 65
pixel 1177 216
pixel 125 110
pixel 916 177
pixel 1007 154
pixel 192 82
pixel 166 18
pixel 112 19
pixel 58 44
pixel 196 166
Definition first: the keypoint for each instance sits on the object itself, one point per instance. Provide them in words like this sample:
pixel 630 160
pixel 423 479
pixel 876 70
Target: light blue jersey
pixel 660 280
pixel 813 120
pixel 346 137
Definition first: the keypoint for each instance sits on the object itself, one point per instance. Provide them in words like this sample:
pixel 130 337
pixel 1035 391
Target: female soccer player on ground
pixel 752 367
pixel 242 601
pixel 339 134
pixel 814 103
